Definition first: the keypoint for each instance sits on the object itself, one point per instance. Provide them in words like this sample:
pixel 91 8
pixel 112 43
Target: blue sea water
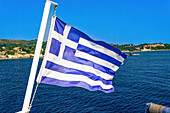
pixel 141 79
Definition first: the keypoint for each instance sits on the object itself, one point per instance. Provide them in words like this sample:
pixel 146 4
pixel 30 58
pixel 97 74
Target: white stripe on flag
pixel 96 60
pixel 63 40
pixel 72 77
pixel 69 64
pixel 101 49
pixel 67 42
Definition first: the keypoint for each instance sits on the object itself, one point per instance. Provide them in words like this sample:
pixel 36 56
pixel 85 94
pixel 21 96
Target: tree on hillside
pixel 10 48
pixel 167 46
pixel 1 49
pixel 9 53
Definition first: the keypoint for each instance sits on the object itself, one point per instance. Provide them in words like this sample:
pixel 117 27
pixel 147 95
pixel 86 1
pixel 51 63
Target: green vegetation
pixel 9 53
pixel 28 51
pixel 132 47
pixel 43 52
pixel 28 47
pixel 167 46
pixel 16 43
pixel 157 48
pixel 21 53
pixel 10 48
pixel 44 47
pixel 1 49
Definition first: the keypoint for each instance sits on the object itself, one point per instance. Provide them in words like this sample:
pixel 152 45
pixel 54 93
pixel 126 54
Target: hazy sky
pixel 113 21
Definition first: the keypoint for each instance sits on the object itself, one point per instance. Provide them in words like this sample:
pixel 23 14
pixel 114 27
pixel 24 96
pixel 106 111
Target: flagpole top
pixel 53 3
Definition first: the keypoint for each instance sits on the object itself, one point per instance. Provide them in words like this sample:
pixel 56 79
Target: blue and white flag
pixel 74 59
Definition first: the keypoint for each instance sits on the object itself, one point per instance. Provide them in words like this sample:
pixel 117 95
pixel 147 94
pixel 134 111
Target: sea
pixel 141 79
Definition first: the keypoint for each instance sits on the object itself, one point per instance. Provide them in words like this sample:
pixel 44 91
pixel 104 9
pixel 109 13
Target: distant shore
pixel 25 56
pixel 148 50
pixel 18 56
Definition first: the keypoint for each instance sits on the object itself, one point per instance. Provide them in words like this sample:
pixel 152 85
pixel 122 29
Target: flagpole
pixel 36 56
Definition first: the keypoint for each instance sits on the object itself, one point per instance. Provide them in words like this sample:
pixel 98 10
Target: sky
pixel 113 21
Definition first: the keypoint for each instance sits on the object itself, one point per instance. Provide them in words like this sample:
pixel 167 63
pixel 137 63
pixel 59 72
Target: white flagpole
pixel 36 57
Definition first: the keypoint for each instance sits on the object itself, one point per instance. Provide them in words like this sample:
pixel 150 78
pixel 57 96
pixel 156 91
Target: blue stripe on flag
pixel 62 69
pixel 123 55
pixel 59 26
pixel 98 54
pixel 104 44
pixel 55 47
pixel 69 54
pixel 75 35
pixel 52 81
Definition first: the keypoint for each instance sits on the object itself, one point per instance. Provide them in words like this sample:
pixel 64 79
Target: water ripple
pixel 142 79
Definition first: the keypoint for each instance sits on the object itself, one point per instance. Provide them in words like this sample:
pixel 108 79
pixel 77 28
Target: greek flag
pixel 74 59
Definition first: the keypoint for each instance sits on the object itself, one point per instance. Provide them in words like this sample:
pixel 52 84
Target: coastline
pixel 148 50
pixel 18 56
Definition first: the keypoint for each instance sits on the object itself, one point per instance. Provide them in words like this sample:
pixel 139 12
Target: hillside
pixel 15 43
pixel 24 44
